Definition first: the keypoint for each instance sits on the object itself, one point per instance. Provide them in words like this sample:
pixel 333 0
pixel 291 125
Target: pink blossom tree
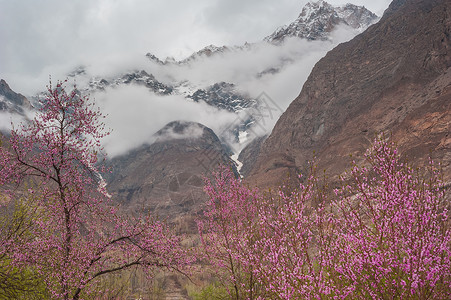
pixel 294 236
pixel 228 230
pixel 392 238
pixel 384 235
pixel 78 234
pixel 266 246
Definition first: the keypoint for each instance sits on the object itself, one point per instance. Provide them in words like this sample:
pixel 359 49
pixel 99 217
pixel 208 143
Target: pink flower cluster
pixel 384 235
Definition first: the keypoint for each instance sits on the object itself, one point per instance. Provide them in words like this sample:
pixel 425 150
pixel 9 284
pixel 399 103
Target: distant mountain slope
pixel 166 177
pixel 395 78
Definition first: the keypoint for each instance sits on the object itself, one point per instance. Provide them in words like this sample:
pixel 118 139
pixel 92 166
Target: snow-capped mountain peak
pixel 318 19
pixel 205 52
pixel 311 10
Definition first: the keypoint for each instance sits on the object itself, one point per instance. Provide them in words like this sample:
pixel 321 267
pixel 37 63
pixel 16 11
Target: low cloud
pixel 189 131
pixel 274 75
pixel 277 71
pixel 134 114
pixel 8 120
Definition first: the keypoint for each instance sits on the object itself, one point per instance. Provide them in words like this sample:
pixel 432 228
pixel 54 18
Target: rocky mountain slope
pixel 394 78
pixel 248 156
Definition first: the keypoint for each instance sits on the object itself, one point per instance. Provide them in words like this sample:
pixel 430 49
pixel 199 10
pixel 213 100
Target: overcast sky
pixel 49 37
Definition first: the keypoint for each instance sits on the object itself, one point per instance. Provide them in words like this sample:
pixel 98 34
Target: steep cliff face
pixel 395 78
pixel 249 154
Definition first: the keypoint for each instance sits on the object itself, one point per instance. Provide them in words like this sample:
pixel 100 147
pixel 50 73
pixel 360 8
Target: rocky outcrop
pixel 225 96
pixel 11 101
pixel 395 78
pixel 249 154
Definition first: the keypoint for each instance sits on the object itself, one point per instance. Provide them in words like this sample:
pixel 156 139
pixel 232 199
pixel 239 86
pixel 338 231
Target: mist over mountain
pixel 229 79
